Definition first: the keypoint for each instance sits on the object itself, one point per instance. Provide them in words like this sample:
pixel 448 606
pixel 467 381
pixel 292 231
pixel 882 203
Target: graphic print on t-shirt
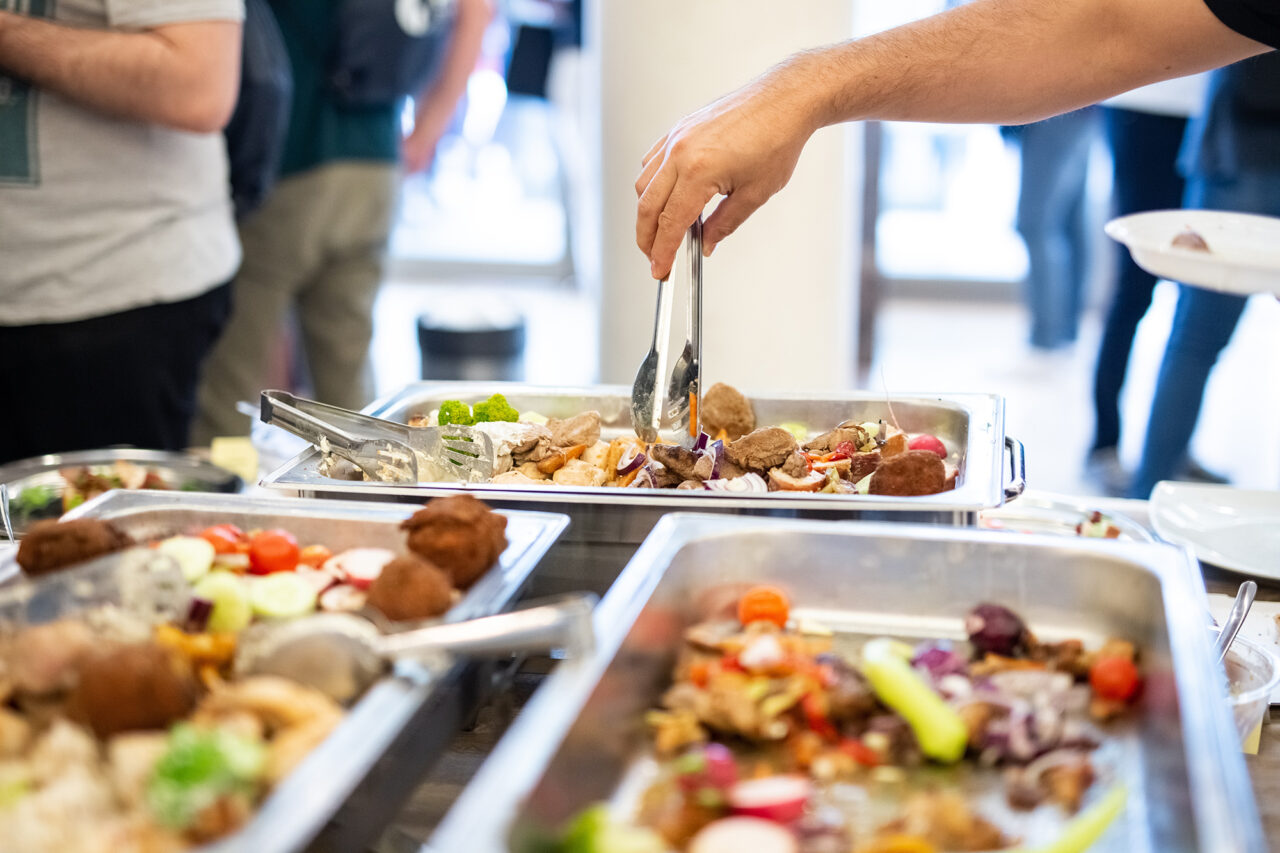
pixel 19 100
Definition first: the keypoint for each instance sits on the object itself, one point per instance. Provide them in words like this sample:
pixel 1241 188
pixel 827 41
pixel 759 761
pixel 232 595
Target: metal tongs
pixel 677 416
pixel 385 451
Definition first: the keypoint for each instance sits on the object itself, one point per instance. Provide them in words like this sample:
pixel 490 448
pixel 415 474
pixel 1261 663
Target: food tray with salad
pixel 47 486
pixel 793 686
pixel 162 595
pixel 611 514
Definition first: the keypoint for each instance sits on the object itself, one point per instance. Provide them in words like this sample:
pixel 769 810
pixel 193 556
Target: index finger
pixel 684 204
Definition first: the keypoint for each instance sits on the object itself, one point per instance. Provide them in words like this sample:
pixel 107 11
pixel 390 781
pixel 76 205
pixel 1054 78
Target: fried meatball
pixel 410 588
pixel 51 545
pixel 460 534
pixel 132 687
pixel 914 472
pixel 726 408
pixel 762 449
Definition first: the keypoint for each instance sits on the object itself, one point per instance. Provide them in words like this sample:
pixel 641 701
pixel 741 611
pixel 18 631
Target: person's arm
pixel 183 76
pixel 999 61
pixel 437 103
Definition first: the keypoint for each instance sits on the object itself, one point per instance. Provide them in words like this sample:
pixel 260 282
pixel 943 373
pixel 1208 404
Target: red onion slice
pixel 747 483
pixel 198 612
pixel 700 442
pixel 632 458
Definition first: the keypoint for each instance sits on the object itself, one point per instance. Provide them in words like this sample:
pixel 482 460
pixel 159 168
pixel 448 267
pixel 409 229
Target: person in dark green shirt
pixel 317 244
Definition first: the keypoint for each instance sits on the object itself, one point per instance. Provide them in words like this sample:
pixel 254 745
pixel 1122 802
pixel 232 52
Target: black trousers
pixel 128 378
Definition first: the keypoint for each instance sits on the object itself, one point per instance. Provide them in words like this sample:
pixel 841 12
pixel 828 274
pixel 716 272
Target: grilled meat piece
pixel 51 545
pixel 912 472
pixel 583 428
pixel 726 408
pixel 762 449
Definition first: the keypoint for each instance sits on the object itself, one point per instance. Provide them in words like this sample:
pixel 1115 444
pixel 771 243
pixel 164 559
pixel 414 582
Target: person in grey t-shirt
pixel 116 230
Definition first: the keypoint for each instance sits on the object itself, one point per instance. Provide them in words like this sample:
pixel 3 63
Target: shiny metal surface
pixel 1235 620
pixel 684 390
pixel 646 410
pixel 1180 758
pixel 348 789
pixel 608 523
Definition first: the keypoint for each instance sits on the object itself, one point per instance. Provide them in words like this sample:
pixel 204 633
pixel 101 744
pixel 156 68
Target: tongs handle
pixel 564 623
pixel 315 421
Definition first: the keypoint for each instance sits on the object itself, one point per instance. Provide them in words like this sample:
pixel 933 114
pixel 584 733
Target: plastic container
pixel 1253 673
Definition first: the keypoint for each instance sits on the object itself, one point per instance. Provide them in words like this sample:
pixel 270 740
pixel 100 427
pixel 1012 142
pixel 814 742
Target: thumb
pixel 731 212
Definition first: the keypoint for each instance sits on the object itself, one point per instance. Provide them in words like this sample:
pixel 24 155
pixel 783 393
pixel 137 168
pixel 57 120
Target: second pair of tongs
pixel 676 416
pixel 385 451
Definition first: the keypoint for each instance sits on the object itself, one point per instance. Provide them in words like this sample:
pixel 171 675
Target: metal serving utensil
pixel 1235 620
pixel 648 413
pixel 4 513
pixel 341 654
pixel 684 393
pixel 383 450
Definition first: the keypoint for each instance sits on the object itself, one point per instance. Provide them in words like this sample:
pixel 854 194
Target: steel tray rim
pixel 1223 802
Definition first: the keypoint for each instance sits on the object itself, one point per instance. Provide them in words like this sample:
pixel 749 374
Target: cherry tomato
pixel 272 551
pixel 225 538
pixel 814 709
pixel 314 556
pixel 860 752
pixel 1114 678
pixel 764 603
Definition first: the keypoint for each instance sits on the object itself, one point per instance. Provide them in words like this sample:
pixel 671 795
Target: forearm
pixel 1010 61
pixel 461 55
pixel 171 76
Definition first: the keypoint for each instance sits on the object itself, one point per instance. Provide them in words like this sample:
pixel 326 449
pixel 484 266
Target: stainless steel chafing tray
pixel 1179 757
pixel 350 787
pixel 608 524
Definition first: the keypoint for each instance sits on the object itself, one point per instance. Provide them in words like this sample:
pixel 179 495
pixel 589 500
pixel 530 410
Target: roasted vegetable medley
pixel 732 455
pixel 776 737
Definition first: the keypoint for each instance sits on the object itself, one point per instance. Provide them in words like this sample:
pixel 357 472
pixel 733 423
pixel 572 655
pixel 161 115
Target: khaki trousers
pixel 318 246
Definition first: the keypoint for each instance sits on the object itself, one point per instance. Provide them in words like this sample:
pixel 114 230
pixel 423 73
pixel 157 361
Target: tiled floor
pixel 937 346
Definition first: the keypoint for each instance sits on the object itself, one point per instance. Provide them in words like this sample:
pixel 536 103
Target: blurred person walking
pixel 1231 158
pixel 1144 131
pixel 116 227
pixel 317 245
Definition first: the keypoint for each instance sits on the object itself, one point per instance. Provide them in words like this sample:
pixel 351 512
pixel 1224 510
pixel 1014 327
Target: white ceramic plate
pixel 1243 256
pixel 1056 515
pixel 1235 529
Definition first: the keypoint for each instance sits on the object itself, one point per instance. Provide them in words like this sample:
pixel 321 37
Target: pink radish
pixel 741 834
pixel 359 565
pixel 317 578
pixel 777 798
pixel 924 441
pixel 342 597
pixel 710 766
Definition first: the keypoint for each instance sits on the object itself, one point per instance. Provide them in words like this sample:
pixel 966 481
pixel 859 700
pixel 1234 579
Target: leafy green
pixel 496 408
pixel 455 412
pixel 34 498
pixel 200 767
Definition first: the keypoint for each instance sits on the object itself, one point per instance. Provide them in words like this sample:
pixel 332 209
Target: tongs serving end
pixel 679 408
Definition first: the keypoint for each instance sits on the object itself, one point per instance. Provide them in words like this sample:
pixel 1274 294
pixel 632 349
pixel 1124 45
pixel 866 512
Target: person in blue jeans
pixel 1231 158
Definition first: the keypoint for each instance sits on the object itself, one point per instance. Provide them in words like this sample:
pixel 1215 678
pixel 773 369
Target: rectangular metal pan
pixel 349 789
pixel 608 524
pixel 1180 758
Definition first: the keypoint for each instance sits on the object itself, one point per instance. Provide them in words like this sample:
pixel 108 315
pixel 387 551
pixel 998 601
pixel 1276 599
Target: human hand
pixel 418 149
pixel 744 146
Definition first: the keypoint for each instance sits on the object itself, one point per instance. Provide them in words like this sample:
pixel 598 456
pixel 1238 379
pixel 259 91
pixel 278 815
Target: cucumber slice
pixel 283 595
pixel 230 597
pixel 193 555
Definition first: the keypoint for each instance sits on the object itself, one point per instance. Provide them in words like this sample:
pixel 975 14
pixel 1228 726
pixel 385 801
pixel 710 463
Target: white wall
pixel 780 294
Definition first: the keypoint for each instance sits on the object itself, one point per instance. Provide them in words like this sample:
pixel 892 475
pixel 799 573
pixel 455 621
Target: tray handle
pixel 1017 466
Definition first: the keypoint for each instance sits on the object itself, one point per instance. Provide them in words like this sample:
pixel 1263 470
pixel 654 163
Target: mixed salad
pixel 44 500
pixel 129 727
pixel 772 740
pixel 731 455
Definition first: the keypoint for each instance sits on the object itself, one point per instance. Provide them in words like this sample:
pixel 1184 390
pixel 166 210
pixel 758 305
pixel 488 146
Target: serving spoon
pixel 1235 619
pixel 341 654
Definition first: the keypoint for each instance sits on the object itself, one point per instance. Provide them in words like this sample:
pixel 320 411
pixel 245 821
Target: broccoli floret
pixel 496 408
pixel 455 412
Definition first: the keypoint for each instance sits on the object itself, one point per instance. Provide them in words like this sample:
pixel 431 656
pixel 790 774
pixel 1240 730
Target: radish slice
pixel 777 798
pixel 342 597
pixel 317 578
pixel 740 834
pixel 359 566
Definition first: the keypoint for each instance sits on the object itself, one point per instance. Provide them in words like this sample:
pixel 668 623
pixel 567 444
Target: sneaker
pixel 1194 472
pixel 1104 467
